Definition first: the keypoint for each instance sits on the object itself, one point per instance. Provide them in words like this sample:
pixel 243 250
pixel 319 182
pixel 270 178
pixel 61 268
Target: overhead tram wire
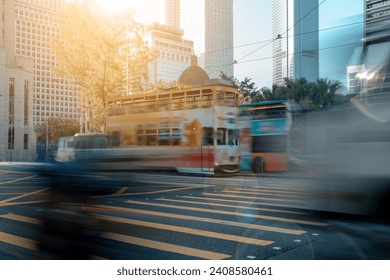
pixel 295 35
pixel 281 35
pixel 297 53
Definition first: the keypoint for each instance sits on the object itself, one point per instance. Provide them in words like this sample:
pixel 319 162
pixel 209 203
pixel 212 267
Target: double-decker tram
pixel 192 130
pixel 264 136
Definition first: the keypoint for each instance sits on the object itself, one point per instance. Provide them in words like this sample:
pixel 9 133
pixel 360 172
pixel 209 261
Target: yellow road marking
pixel 154 192
pixel 186 230
pixel 166 246
pixel 21 196
pixel 21 203
pixel 16 180
pixel 18 241
pixel 252 197
pixel 277 188
pixel 122 190
pixel 9 193
pixel 240 202
pixel 205 220
pixel 230 206
pixel 246 191
pixel 287 220
pixel 21 218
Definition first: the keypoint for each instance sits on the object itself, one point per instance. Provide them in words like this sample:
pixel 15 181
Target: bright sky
pixel 252 29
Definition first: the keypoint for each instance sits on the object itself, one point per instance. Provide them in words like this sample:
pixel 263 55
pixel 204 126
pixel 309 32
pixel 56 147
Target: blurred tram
pixel 265 135
pixel 192 130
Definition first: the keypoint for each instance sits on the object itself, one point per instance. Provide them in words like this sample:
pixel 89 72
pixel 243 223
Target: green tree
pixel 54 128
pixel 324 92
pixel 250 93
pixel 91 56
pixel 274 93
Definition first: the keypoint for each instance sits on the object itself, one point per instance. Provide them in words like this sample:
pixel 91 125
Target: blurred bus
pixel 192 130
pixel 64 149
pixel 350 168
pixel 67 146
pixel 264 135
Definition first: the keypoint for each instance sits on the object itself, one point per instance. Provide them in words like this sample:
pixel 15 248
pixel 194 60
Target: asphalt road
pixel 177 217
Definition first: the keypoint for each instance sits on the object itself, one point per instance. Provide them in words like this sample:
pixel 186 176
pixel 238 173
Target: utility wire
pixel 281 35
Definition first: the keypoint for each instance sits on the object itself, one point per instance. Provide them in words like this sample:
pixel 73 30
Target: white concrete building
pixel 169 12
pixel 30 92
pixel 35 25
pixel 209 24
pixel 17 137
pixel 174 52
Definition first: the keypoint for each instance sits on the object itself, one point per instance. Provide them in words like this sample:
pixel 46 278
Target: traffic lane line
pixel 267 192
pixel 4 201
pixel 114 209
pixel 287 220
pixel 153 192
pixel 240 202
pixel 186 230
pixel 253 197
pixel 21 218
pixel 18 241
pixel 167 247
pixel 231 206
pixel 17 180
pixel 22 203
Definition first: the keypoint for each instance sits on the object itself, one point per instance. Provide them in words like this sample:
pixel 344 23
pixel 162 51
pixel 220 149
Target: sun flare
pixel 144 11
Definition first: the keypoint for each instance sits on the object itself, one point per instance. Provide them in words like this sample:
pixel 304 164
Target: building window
pixel 11 138
pixel 25 142
pixel 26 102
pixel 11 104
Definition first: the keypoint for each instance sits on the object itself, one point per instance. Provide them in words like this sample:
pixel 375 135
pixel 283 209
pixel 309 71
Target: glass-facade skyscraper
pixel 295 40
pixel 209 24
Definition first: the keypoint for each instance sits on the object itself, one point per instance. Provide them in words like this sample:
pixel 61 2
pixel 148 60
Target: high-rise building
pixel 174 52
pixel 369 72
pixel 32 90
pixel 338 40
pixel 169 12
pixel 209 24
pixel 295 45
pixel 35 28
pixel 17 137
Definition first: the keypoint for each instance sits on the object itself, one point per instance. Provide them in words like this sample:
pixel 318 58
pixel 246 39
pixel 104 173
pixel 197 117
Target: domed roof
pixel 193 75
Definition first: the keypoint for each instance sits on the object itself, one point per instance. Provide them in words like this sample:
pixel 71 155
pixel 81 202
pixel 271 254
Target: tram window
pixel 221 136
pixel 176 136
pixel 176 140
pixel 141 140
pixel 270 143
pixel 164 137
pixel 207 133
pixel 115 138
pixel 151 140
pixel 232 137
pixel 101 144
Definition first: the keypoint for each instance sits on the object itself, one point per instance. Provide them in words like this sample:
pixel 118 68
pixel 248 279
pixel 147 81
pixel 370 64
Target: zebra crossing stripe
pixel 237 206
pixel 167 247
pixel 20 218
pixel 18 241
pixel 187 230
pixel 198 219
pixel 287 220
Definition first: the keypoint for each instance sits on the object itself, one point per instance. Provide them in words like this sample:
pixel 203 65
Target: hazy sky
pixel 252 30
